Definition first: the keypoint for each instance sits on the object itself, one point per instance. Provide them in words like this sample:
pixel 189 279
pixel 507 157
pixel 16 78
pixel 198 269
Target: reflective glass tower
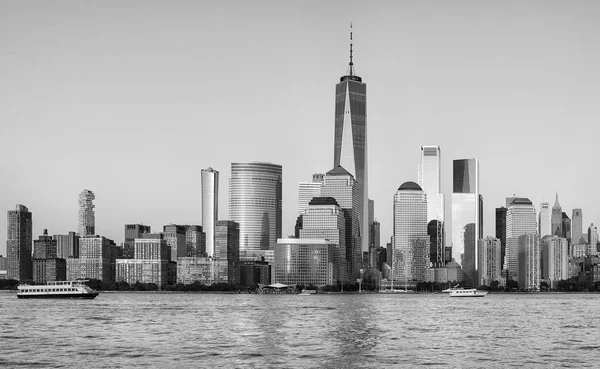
pixel 466 215
pixel 430 182
pixel 210 206
pixel 350 139
pixel 87 218
pixel 255 204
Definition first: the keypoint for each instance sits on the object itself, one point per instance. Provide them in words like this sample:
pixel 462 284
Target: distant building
pixel 501 231
pixel 255 203
pixel 210 207
pixel 306 192
pixel 94 260
pixel 19 244
pixel 490 267
pixel 577 227
pixel 45 247
pixel 133 231
pixel 566 227
pixel 324 219
pixel 555 260
pixel 149 265
pixel 206 270
pixel 545 220
pixel 520 220
pixel 195 241
pixel 341 185
pixel 454 272
pixel 579 250
pixel 176 239
pixel 375 234
pixel 430 182
pixel 87 217
pixel 227 247
pixel 67 245
pixel 410 241
pixel 306 262
pixel 593 239
pixel 529 261
pixel 254 272
pixel 556 221
pixel 46 270
pixel 467 217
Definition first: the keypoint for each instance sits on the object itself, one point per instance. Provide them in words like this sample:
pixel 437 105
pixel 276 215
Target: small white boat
pixel 57 290
pixel 467 292
pixel 307 292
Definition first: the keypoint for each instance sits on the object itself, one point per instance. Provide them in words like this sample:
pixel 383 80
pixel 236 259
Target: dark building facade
pixel 195 241
pixel 566 227
pixel 254 272
pixel 133 231
pixel 67 245
pixel 19 244
pixel 227 246
pixel 501 232
pixel 45 247
pixel 47 270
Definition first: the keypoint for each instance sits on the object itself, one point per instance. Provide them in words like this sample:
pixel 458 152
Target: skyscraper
pixel 466 215
pixel 87 218
pixel 227 246
pixel 350 140
pixel 67 245
pixel 410 241
pixel 341 185
pixel 306 192
pixel 545 220
pixel 577 226
pixel 18 244
pixel 255 204
pixel 430 182
pixel 520 220
pixel 555 261
pixel 556 221
pixel 592 240
pixel 529 261
pixel 501 232
pixel 566 227
pixel 210 206
pixel 490 267
pixel 175 235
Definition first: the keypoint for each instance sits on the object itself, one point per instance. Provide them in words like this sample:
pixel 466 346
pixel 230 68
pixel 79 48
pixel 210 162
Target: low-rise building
pixel 206 270
pixel 306 262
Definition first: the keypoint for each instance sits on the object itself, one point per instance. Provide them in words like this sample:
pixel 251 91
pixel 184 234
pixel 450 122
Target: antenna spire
pixel 351 65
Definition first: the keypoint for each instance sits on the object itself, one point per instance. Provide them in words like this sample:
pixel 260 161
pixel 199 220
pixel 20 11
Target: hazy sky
pixel 132 99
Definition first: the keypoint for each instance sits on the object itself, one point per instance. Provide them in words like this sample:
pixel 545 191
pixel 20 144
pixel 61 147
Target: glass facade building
pixel 210 206
pixel 19 244
pixel 467 217
pixel 341 185
pixel 306 192
pixel 410 241
pixel 255 203
pixel 87 217
pixel 501 231
pixel 430 182
pixel 306 262
pixel 520 220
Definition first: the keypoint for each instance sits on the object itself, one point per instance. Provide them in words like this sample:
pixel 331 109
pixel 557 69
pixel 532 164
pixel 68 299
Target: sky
pixel 131 99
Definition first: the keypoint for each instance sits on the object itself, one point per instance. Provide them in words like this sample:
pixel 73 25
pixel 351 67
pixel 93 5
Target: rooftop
pixel 409 186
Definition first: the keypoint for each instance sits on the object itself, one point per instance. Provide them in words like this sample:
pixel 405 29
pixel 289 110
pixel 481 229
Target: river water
pixel 125 330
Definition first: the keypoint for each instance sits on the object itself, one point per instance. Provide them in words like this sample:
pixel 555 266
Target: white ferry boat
pixel 307 292
pixel 57 290
pixel 467 292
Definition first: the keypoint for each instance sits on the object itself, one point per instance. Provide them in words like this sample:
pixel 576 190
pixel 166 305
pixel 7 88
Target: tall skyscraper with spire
pixel 350 140
pixel 556 222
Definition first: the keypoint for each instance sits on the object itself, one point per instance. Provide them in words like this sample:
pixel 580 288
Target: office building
pixel 306 192
pixel 195 241
pixel 490 267
pixel 555 260
pixel 545 220
pixel 210 207
pixel 410 240
pixel 95 260
pixel 467 217
pixel 19 243
pixel 577 226
pixel 556 219
pixel 430 182
pixel 324 219
pixel 592 240
pixel 255 203
pixel 176 239
pixel 227 246
pixel 67 245
pixel 133 231
pixel 566 227
pixel 87 217
pixel 520 220
pixel 339 184
pixel 529 276
pixel 501 231
pixel 350 140
pixel 306 262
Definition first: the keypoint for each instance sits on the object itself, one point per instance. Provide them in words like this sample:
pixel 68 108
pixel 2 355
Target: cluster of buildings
pixel 336 237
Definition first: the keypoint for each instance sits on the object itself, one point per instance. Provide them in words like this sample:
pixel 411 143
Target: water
pixel 125 330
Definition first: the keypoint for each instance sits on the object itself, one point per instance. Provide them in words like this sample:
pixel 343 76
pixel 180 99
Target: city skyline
pixel 118 110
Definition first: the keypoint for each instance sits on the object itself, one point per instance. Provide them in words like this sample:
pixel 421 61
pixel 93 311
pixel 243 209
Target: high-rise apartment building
pixel 577 226
pixel 545 220
pixel 18 244
pixel 306 192
pixel 520 220
pixel 324 219
pixel 467 216
pixel 350 139
pixel 150 263
pixel 430 182
pixel 176 239
pixel 227 246
pixel 195 241
pixel 529 276
pixel 210 207
pixel 87 218
pixel 67 245
pixel 592 240
pixel 555 260
pixel 95 260
pixel 490 267
pixel 410 241
pixel 340 185
pixel 501 232
pixel 255 203
pixel 556 220
pixel 133 231
pixel 45 247
pixel 306 262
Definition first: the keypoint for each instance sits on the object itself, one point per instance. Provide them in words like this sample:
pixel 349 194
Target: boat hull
pixel 59 296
